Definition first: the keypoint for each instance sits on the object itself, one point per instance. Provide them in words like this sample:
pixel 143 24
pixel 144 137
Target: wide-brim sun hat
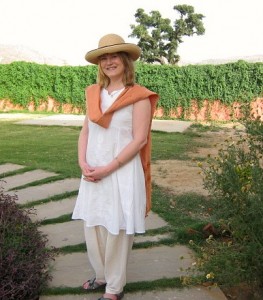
pixel 112 43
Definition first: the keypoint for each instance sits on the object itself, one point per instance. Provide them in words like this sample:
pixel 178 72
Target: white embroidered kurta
pixel 117 201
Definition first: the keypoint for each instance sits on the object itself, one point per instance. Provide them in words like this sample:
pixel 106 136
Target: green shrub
pixel 24 259
pixel 23 82
pixel 234 179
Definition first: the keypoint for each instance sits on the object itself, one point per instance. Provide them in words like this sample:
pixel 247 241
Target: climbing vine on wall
pixel 23 82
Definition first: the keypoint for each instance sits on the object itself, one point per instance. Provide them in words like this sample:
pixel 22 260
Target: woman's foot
pixel 108 296
pixel 93 284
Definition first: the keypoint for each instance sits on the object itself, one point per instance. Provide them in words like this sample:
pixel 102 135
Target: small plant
pixel 234 179
pixel 24 259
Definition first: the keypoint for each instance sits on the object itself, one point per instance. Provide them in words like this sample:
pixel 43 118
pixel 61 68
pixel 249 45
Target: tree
pixel 158 39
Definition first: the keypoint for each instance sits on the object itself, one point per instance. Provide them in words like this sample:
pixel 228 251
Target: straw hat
pixel 112 43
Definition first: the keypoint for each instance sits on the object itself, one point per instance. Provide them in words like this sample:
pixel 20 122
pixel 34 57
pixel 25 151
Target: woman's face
pixel 112 65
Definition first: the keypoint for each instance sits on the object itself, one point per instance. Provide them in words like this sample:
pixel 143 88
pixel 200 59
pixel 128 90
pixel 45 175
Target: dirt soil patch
pixel 184 176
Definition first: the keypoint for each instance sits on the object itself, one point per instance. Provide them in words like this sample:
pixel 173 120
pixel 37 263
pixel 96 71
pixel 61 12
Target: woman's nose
pixel 109 60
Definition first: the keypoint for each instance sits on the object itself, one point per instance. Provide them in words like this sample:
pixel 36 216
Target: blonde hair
pixel 129 72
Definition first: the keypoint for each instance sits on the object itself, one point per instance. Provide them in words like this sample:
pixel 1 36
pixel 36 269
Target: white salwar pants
pixel 108 255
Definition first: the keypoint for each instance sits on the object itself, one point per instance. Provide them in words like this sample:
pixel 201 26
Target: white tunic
pixel 118 201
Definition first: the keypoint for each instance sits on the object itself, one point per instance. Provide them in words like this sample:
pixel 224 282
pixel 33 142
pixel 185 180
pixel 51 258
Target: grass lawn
pixel 50 148
pixel 54 148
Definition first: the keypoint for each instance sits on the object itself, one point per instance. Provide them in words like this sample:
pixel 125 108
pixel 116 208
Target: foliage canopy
pixel 158 39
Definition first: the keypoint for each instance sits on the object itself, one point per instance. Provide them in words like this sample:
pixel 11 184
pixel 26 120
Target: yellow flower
pixel 210 275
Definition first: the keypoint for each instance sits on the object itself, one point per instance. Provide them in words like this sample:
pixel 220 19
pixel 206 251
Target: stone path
pixel 77 120
pixel 71 270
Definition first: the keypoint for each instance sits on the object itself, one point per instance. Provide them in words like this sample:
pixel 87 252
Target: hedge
pixel 23 82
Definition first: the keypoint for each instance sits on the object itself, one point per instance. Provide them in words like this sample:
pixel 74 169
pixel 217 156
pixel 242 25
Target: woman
pixel 114 156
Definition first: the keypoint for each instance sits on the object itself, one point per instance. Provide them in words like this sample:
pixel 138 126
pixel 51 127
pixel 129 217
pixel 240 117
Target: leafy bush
pixel 24 259
pixel 234 179
pixel 23 82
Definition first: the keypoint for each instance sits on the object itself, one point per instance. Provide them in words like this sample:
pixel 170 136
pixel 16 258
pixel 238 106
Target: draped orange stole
pixel 129 96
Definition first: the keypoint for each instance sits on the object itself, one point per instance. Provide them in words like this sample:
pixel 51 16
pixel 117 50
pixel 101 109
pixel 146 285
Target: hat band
pixel 110 46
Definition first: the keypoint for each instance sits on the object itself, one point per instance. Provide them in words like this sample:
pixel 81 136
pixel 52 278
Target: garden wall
pixel 195 92
pixel 211 110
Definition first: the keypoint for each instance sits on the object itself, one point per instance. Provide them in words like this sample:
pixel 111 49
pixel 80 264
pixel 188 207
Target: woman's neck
pixel 114 86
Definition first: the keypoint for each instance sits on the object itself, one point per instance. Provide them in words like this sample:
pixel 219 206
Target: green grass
pixel 54 148
pixel 186 214
pixel 133 287
pixel 173 145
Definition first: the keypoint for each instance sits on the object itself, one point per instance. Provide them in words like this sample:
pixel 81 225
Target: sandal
pixel 92 284
pixel 118 297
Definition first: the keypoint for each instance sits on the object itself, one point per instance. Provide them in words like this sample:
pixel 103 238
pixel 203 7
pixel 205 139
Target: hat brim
pixel 133 50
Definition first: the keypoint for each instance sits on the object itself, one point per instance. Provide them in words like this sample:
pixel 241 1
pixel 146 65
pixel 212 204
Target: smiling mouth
pixel 111 68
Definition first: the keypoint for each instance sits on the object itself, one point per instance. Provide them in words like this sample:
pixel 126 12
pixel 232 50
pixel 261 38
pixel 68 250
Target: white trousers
pixel 108 255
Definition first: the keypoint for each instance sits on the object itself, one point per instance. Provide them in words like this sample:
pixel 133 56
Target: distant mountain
pixel 252 58
pixel 11 53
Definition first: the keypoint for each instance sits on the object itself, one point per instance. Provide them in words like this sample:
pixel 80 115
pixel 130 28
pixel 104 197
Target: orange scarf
pixel 129 96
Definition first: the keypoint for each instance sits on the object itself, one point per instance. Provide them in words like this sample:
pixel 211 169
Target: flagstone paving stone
pixel 39 192
pixel 25 178
pixel 63 234
pixel 153 221
pixel 151 238
pixel 5 168
pixel 73 269
pixel 71 233
pixel 194 293
pixel 54 209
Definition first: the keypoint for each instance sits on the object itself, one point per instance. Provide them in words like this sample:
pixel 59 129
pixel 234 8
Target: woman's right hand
pixel 86 170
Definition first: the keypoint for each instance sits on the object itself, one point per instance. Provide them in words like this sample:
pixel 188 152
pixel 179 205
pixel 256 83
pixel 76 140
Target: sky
pixel 67 29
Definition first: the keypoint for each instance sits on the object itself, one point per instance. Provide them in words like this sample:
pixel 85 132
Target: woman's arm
pixel 140 128
pixel 82 147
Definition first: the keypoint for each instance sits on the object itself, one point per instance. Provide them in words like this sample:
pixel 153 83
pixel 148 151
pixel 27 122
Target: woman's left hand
pixel 96 174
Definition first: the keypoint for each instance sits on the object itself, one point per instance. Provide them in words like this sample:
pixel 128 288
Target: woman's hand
pixel 93 174
pixel 97 173
pixel 86 169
